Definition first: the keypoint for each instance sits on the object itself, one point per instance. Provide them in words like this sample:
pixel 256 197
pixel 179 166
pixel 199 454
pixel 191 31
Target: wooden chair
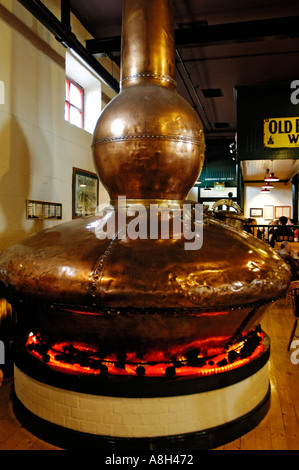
pixel 293 294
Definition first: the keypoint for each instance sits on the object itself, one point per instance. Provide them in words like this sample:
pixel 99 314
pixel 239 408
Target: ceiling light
pixel 270 176
pixel 267 185
pixel 265 190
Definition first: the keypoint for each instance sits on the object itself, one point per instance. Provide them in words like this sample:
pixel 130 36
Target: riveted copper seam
pixel 156 76
pixel 147 136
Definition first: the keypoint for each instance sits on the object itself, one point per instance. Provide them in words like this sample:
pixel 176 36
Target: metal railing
pixel 273 233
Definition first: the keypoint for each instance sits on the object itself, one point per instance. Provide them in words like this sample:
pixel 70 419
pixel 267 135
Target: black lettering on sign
pixel 293 138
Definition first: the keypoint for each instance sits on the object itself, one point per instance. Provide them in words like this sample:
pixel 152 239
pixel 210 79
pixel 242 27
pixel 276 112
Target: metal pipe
pixel 68 40
pixel 194 105
pixel 65 8
pixel 295 198
pixel 193 88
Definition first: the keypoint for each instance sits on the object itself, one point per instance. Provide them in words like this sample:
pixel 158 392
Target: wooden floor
pixel 279 430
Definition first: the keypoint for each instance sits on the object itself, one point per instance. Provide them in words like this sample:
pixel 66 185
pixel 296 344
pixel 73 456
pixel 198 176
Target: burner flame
pixel 76 358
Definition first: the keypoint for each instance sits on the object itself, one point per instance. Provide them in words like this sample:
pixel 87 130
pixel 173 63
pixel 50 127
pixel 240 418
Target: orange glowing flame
pixel 57 357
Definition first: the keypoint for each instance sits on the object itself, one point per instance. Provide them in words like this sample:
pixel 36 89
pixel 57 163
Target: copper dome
pixel 122 294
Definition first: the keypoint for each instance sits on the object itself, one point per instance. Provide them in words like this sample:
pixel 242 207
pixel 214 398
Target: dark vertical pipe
pixel 240 186
pixel 193 88
pixel 295 198
pixel 66 14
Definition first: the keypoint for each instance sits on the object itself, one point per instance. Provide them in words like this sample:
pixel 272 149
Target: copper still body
pixel 148 135
pixel 144 295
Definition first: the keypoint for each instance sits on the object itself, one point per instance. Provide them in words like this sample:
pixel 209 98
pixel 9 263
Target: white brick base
pixel 141 417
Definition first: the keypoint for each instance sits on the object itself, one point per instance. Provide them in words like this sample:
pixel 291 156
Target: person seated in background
pixel 251 227
pixel 289 257
pixel 282 233
pixel 272 225
pixel 248 227
pixel 270 229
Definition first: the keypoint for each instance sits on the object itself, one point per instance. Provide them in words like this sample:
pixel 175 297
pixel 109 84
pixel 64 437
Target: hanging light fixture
pixel 267 185
pixel 270 177
pixel 265 190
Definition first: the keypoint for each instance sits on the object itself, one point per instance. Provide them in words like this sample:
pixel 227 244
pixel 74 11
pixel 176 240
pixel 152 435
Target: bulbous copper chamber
pixel 148 143
pixel 73 283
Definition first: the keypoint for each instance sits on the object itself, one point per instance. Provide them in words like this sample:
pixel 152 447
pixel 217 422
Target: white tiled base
pixel 141 417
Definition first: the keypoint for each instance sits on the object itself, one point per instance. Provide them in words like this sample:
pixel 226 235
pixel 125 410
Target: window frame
pixel 68 104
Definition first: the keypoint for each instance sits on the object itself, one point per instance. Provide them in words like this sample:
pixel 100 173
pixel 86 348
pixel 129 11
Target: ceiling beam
pixel 201 35
pixel 62 32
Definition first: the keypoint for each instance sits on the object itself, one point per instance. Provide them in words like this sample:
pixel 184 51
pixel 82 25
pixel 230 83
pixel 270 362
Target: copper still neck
pixel 147 43
pixel 148 142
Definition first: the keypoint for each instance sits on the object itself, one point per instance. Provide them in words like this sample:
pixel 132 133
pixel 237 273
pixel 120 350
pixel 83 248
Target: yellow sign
pixel 281 132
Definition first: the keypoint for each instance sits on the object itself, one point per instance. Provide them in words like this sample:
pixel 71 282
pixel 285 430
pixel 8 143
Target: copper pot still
pixel 144 295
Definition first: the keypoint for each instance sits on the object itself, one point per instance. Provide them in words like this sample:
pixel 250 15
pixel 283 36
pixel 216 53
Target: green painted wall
pixel 219 164
pixel 254 104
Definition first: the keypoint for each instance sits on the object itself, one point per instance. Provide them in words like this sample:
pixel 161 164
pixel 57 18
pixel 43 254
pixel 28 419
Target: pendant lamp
pixel 267 185
pixel 270 177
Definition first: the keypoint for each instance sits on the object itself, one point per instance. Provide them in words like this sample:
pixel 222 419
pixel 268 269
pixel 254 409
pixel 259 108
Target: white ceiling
pixel 255 170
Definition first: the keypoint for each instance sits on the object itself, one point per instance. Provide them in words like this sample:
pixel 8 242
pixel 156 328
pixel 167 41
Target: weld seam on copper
pixel 186 140
pixel 156 76
pixel 99 268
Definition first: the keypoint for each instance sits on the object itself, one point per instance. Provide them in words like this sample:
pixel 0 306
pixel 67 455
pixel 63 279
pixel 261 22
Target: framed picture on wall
pixel 43 210
pixel 256 212
pixel 268 212
pixel 282 211
pixel 85 193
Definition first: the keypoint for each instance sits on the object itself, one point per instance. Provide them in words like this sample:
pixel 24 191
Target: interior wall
pixel 281 195
pixel 38 147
